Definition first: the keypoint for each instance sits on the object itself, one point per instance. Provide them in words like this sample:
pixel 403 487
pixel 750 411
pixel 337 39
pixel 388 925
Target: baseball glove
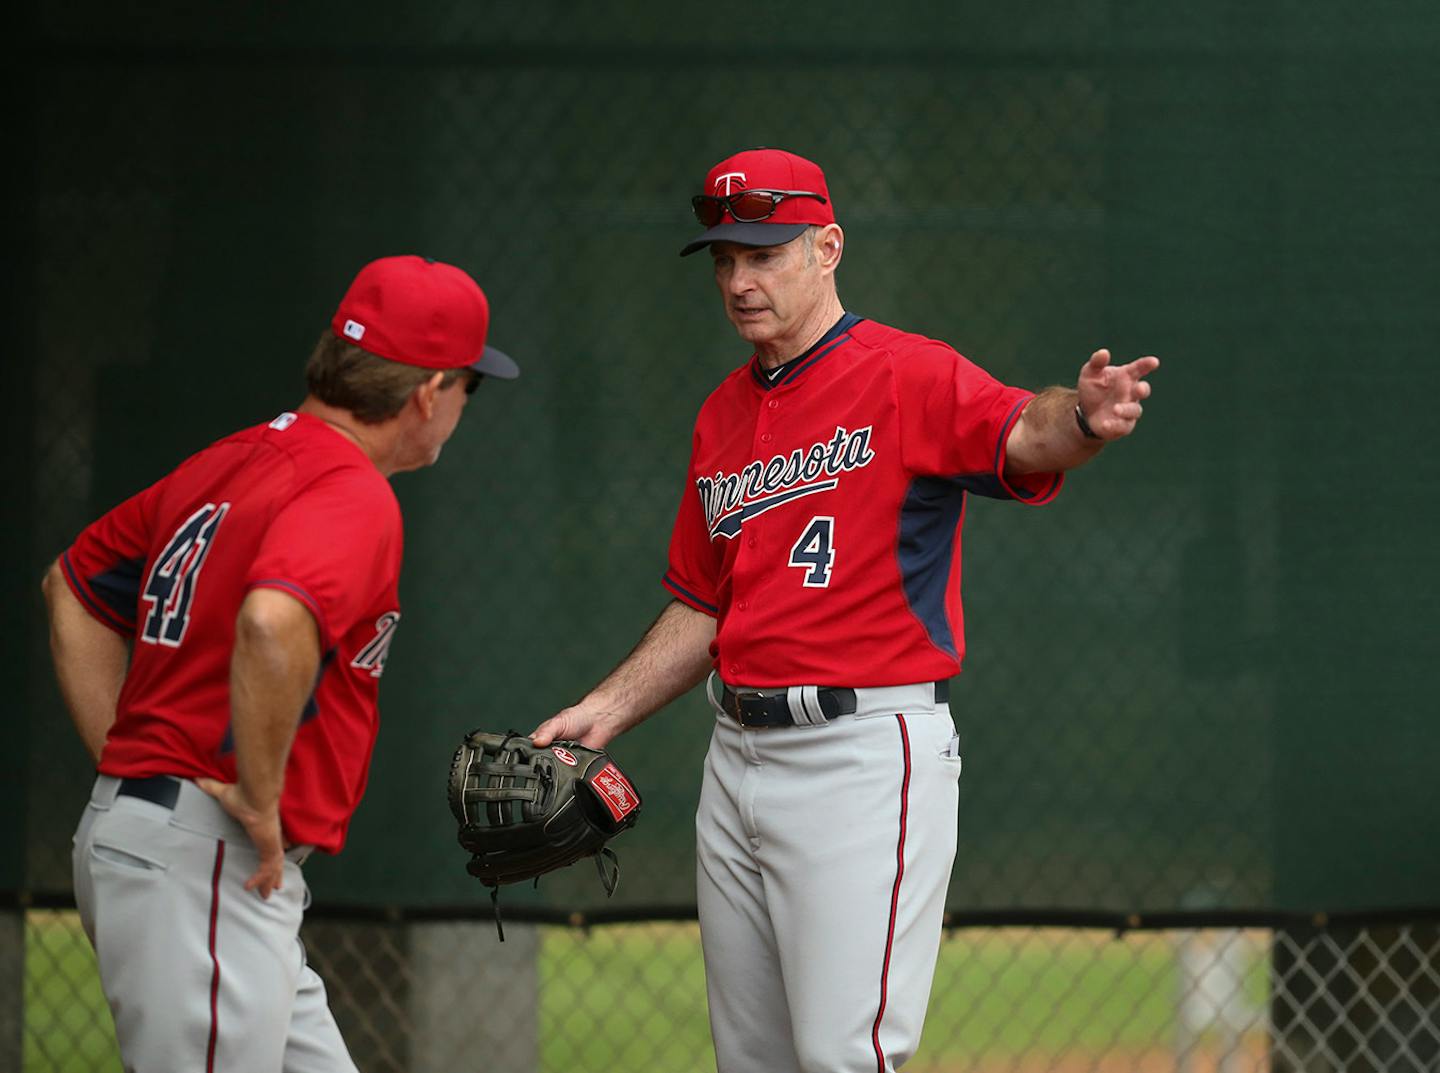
pixel 525 811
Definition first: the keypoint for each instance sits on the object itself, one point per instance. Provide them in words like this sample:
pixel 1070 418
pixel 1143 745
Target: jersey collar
pixel 795 366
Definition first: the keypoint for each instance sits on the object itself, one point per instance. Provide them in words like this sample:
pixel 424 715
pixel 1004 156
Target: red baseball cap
pixel 767 169
pixel 420 312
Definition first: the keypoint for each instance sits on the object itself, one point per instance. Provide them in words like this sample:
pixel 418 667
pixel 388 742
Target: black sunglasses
pixel 746 206
pixel 473 382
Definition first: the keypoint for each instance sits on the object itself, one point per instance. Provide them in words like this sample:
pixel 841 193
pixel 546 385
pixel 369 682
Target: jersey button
pixel 741 606
pixel 752 542
pixel 766 437
pixel 773 404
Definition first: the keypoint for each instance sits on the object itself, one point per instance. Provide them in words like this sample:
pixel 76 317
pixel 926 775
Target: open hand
pixel 1111 395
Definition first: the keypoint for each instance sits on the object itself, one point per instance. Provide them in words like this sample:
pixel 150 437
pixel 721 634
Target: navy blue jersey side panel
pixel 309 712
pixel 119 587
pixel 983 484
pixel 929 519
pixel 124 623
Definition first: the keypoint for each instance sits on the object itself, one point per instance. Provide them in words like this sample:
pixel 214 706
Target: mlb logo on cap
pixel 421 312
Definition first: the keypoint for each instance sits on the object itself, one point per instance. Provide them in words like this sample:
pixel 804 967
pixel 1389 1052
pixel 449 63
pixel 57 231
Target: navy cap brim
pixel 497 364
pixel 753 234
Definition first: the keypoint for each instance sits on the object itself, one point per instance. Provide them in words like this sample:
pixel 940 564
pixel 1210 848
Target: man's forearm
pixel 1062 428
pixel 672 657
pixel 1047 438
pixel 90 663
pixel 272 675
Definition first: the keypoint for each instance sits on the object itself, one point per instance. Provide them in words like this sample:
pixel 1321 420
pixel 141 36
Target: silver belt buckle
pixel 740 699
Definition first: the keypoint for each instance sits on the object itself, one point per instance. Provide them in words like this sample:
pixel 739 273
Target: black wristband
pixel 1085 429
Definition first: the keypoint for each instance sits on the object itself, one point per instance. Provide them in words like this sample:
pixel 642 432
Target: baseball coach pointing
pixel 219 639
pixel 815 574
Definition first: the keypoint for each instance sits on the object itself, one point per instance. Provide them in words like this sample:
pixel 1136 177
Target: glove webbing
pixel 609 879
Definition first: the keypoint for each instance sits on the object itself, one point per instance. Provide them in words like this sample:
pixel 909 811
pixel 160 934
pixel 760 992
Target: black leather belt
pixel 756 709
pixel 759 710
pixel 163 790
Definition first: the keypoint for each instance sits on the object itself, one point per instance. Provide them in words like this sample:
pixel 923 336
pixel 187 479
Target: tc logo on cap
pixel 354 331
pixel 729 186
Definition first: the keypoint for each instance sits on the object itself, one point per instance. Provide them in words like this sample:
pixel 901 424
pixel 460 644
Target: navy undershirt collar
pixel 768 378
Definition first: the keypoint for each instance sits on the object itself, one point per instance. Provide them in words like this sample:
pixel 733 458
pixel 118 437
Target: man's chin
pixel 756 330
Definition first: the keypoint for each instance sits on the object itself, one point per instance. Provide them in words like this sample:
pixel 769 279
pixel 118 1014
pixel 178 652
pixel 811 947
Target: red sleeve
pixel 694 565
pixel 335 547
pixel 955 419
pixel 104 564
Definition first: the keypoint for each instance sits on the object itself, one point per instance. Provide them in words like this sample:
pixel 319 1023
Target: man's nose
pixel 740 280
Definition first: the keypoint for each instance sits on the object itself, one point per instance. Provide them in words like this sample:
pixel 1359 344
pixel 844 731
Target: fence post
pixel 431 997
pixel 12 987
pixel 474 1001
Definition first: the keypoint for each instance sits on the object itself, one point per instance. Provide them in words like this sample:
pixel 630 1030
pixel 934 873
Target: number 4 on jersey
pixel 171 584
pixel 815 553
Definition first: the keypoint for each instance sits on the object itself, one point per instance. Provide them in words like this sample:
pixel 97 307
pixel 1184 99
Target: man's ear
pixel 425 395
pixel 830 246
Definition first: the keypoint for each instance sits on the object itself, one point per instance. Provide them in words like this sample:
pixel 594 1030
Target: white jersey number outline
pixel 814 552
pixel 373 656
pixel 171 584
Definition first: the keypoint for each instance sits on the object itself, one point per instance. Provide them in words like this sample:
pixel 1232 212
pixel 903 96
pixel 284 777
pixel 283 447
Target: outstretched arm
pixel 671 658
pixel 1048 437
pixel 90 663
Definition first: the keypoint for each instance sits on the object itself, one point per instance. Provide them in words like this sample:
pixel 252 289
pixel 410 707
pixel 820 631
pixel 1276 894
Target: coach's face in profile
pixel 429 419
pixel 772 293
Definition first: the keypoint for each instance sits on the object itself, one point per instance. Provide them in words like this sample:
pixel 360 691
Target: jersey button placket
pixel 764 440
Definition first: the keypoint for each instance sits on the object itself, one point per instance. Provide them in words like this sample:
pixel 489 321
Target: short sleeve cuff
pixel 97 609
pixel 1032 489
pixel 688 595
pixel 290 588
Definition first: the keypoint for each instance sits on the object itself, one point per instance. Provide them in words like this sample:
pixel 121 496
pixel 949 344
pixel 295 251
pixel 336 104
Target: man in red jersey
pixel 815 570
pixel 219 640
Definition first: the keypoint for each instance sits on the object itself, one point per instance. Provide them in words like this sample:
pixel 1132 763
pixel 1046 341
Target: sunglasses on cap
pixel 745 207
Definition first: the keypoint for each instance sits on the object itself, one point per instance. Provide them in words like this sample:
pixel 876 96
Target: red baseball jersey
pixel 294 506
pixel 822 523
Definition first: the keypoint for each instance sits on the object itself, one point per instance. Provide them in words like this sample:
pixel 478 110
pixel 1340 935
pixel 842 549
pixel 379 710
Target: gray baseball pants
pixel 824 854
pixel 200 973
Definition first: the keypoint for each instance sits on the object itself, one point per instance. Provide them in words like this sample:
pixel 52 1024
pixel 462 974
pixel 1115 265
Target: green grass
pixel 67 1023
pixel 623 998
pixel 997 995
pixel 1002 998
pixel 634 998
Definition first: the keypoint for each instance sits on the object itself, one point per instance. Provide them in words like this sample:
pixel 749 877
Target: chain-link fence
pixel 1196 684
pixel 447 996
